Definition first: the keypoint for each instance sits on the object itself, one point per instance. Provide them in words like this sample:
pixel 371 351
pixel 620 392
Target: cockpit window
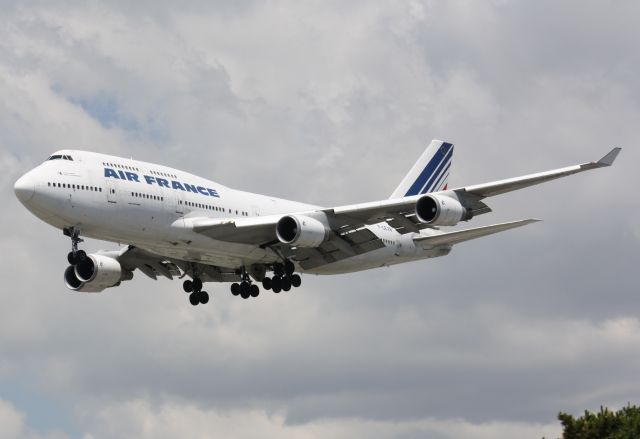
pixel 60 157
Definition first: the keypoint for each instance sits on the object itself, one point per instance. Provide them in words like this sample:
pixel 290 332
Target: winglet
pixel 608 159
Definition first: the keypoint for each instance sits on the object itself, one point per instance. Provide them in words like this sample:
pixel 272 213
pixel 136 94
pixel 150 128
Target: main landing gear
pixel 194 287
pixel 283 278
pixel 246 288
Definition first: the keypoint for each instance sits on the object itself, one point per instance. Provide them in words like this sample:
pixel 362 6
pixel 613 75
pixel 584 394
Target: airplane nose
pixel 24 188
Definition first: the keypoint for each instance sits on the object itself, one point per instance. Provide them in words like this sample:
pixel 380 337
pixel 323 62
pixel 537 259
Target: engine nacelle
pixel 301 231
pixel 441 210
pixel 94 274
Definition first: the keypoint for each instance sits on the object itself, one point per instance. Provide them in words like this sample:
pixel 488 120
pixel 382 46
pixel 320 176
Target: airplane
pixel 178 225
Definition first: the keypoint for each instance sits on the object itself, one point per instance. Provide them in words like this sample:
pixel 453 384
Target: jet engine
pixel 440 210
pixel 94 274
pixel 301 231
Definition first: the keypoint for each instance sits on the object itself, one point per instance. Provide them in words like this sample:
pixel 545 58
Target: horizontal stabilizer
pixel 456 237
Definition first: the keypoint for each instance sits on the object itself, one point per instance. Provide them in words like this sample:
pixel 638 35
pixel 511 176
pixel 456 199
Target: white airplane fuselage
pixel 150 206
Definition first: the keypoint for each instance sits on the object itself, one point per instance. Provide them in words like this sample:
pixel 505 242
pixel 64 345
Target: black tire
pixel 276 282
pixel 296 280
pixel 81 256
pixel 286 284
pixel 197 284
pixel 245 290
pixel 289 268
pixel 187 286
pixel 278 269
pixel 254 290
pixel 276 288
pixel 72 258
pixel 235 289
pixel 204 297
pixel 194 298
pixel 266 283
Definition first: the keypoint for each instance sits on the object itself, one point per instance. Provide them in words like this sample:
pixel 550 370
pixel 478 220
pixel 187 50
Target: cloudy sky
pixel 330 102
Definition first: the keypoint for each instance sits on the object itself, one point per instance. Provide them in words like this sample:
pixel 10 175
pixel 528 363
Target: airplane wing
pixel 154 266
pixel 349 236
pixel 512 184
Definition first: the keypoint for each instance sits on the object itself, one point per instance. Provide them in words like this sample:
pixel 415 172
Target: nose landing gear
pixel 75 256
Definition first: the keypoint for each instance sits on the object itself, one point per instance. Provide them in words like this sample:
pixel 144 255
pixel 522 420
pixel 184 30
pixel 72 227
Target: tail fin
pixel 430 173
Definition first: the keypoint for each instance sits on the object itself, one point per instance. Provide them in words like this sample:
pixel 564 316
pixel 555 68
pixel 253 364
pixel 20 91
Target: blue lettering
pixel 122 176
pixel 162 182
pixel 213 193
pixel 202 190
pixel 149 179
pixel 190 188
pixel 176 185
pixel 132 177
pixel 108 172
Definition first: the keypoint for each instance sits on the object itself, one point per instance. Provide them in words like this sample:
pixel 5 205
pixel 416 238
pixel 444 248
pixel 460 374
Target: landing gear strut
pixel 75 256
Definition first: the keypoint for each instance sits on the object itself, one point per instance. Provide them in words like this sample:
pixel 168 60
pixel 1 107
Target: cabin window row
pixel 80 187
pixel 147 196
pixel 164 174
pixel 119 166
pixel 210 207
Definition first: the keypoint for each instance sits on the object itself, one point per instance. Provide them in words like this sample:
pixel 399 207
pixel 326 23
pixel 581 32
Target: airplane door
pixel 179 202
pixel 111 191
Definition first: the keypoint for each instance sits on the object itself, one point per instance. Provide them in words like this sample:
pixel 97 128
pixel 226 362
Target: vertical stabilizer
pixel 430 173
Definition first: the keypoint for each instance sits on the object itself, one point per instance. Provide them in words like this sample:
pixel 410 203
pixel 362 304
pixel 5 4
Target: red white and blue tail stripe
pixel 430 173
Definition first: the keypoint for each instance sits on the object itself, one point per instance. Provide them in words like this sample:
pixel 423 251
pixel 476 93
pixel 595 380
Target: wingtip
pixel 608 159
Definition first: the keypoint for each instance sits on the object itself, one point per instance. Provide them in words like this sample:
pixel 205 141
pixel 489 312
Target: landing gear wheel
pixel 204 297
pixel 245 290
pixel 187 286
pixel 276 284
pixel 71 258
pixel 289 268
pixel 296 280
pixel 266 283
pixel 235 289
pixel 286 284
pixel 194 299
pixel 197 284
pixel 81 256
pixel 278 269
pixel 254 290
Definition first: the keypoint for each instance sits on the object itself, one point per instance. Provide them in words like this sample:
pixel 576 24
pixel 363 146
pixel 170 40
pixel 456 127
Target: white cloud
pixel 139 419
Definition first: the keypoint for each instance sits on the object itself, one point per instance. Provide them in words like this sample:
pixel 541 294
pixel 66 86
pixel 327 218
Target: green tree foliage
pixel 606 424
